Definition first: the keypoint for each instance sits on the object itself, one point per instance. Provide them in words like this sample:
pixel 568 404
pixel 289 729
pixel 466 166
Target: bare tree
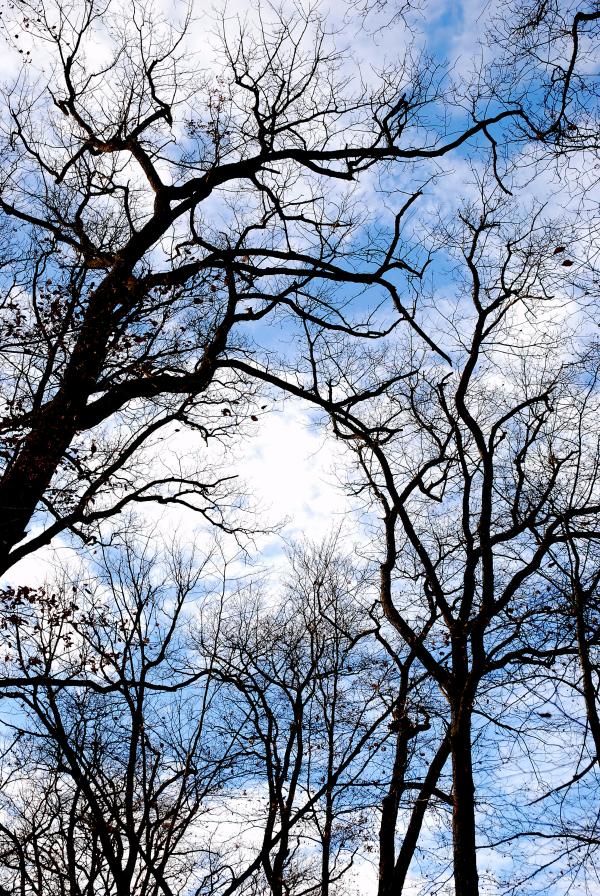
pixel 311 693
pixel 113 758
pixel 478 470
pixel 166 731
pixel 164 222
pixel 549 46
pixel 563 818
pixel 160 226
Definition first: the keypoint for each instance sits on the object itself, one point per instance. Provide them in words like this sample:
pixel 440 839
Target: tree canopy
pixel 390 216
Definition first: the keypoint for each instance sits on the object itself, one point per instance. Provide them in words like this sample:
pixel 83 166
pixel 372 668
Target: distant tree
pixel 310 699
pixel 112 759
pixel 167 734
pixel 563 681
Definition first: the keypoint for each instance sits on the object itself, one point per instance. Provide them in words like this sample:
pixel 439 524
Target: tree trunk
pixel 326 847
pixel 466 879
pixel 25 481
pixel 587 675
pixel 390 805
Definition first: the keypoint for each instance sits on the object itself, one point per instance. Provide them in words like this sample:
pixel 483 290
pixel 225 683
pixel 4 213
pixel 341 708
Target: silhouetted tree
pixel 158 223
pixel 479 471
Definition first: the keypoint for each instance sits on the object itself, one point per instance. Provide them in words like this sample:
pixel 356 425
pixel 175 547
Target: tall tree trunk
pixel 393 871
pixel 390 805
pixel 277 876
pixel 326 845
pixel 466 879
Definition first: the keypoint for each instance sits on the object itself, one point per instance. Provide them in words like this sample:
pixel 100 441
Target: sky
pixel 292 467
